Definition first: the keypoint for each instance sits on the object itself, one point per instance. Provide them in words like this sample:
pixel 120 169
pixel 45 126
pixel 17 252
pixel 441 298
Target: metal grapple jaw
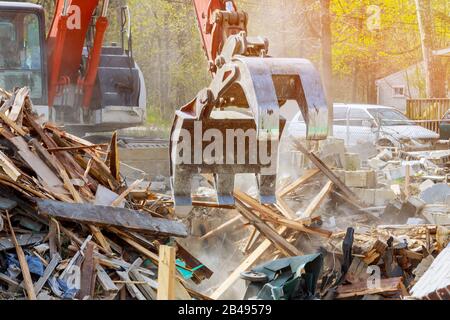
pixel 234 126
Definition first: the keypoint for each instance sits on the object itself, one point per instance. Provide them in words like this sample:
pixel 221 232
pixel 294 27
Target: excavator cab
pixel 74 79
pixel 22 50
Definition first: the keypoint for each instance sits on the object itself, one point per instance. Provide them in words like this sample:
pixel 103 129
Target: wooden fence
pixel 427 112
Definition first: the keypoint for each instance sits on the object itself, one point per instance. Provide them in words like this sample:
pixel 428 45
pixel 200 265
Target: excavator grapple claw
pixel 234 125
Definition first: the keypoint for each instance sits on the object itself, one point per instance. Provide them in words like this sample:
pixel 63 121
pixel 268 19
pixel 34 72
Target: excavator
pixel 74 80
pixel 234 125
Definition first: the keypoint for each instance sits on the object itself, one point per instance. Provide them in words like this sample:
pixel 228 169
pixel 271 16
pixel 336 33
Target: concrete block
pixel 361 179
pixel 352 162
pixel 383 196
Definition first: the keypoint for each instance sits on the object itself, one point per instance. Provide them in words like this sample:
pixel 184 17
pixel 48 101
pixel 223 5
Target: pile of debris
pixel 72 228
pixel 329 237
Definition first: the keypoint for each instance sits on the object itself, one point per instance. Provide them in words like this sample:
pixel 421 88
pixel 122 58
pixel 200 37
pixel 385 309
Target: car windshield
pixel 390 117
pixel 20 52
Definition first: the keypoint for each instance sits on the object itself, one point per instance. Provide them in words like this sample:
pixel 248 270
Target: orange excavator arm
pixel 212 34
pixel 65 43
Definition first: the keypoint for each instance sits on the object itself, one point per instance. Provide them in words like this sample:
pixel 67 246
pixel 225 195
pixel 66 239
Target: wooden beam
pixel 108 216
pixel 28 282
pixel 87 273
pixel 124 194
pixel 317 201
pixel 12 125
pixel 166 273
pixel 47 273
pixel 330 174
pixel 297 183
pixel 279 242
pixel 9 167
pixel 222 227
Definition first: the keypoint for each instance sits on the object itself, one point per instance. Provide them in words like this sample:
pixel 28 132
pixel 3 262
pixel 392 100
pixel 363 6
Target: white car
pixel 360 123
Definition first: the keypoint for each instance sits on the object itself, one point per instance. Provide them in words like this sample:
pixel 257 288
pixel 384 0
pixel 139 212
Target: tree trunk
pixel 327 74
pixel 435 87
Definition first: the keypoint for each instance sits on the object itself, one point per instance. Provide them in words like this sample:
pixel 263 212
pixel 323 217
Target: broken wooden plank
pixel 12 124
pixel 87 272
pixel 166 273
pixel 76 148
pixel 386 286
pixel 110 216
pixel 294 185
pixel 124 194
pixel 9 167
pixel 47 273
pixel 28 282
pixel 143 286
pixel 330 174
pixel 105 281
pixel 18 104
pixel 279 242
pixel 39 166
pixel 222 227
pixel 317 201
pixel 131 287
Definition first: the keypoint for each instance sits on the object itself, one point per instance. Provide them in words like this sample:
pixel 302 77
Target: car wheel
pixel 254 276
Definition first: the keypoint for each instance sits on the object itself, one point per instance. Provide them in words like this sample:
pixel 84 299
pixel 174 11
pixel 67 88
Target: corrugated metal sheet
pixel 435 283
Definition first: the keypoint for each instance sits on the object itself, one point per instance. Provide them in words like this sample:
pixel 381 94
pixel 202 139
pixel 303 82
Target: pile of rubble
pixel 72 228
pixel 351 226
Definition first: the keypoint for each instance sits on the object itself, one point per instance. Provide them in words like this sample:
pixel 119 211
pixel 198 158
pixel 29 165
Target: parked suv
pixel 384 126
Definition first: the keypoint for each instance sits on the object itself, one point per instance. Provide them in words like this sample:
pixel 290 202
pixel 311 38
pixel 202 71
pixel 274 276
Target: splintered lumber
pixel 247 263
pixel 124 194
pixel 386 286
pixel 166 273
pixel 9 167
pixel 143 286
pixel 105 281
pixel 132 288
pixel 47 273
pixel 39 166
pixel 18 104
pixel 317 201
pixel 110 216
pixel 285 247
pixel 269 214
pixel 28 282
pixel 125 237
pixel 297 183
pixel 12 124
pixel 221 227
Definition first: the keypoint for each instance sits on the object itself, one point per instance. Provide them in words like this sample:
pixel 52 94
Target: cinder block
pixel 361 179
